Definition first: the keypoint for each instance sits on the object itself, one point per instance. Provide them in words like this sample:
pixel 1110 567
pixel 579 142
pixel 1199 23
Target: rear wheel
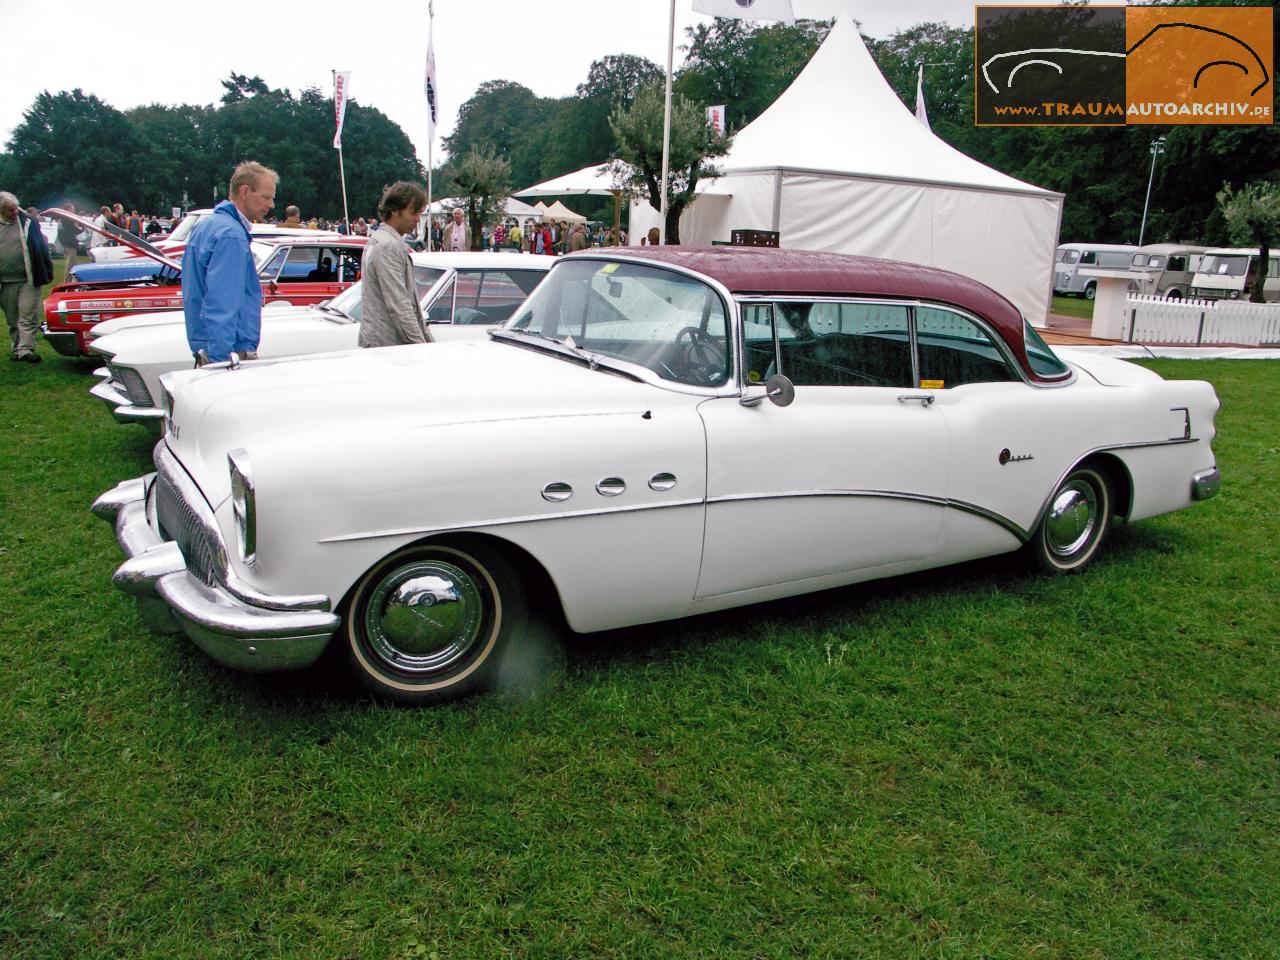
pixel 1091 291
pixel 1173 294
pixel 1074 526
pixel 431 623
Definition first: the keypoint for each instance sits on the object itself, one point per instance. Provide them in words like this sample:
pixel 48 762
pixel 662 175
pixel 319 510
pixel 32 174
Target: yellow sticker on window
pixel 753 376
pixel 932 384
pixel 608 268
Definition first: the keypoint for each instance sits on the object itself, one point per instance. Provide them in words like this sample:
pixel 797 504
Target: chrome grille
pixel 133 384
pixel 179 522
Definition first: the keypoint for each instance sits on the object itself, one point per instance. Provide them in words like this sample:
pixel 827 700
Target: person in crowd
pixel 221 295
pixel 457 236
pixel 391 311
pixel 499 236
pixel 653 238
pixel 118 217
pixel 25 267
pixel 292 217
pixel 437 234
pixel 67 239
pixel 134 223
pixel 578 239
pixel 515 237
pixel 100 221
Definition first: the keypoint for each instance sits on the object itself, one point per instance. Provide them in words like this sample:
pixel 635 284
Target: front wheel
pixel 1074 526
pixel 1090 291
pixel 430 623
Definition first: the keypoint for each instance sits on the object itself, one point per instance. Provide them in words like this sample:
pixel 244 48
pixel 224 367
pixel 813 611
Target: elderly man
pixel 457 235
pixel 390 312
pixel 221 295
pixel 25 267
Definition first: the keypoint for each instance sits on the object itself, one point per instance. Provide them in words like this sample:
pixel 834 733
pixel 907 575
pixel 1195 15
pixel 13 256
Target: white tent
pixel 838 163
pixel 558 211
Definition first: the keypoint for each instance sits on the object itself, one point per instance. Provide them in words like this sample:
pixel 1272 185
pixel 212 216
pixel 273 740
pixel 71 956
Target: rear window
pixel 1043 361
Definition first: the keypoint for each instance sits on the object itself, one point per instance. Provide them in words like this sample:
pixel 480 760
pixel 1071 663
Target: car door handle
pixel 924 398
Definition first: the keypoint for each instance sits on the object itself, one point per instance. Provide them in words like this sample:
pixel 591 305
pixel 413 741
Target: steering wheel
pixel 701 360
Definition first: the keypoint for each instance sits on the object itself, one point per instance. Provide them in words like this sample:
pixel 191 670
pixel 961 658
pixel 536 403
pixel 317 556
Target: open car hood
pixel 124 237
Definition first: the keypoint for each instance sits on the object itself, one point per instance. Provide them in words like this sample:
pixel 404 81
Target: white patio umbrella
pixel 595 180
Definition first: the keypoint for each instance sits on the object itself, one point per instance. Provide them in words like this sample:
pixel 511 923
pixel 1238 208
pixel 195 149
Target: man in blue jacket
pixel 25 267
pixel 221 295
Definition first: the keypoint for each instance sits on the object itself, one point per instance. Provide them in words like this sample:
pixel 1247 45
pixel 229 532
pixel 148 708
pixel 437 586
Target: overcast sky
pixel 133 52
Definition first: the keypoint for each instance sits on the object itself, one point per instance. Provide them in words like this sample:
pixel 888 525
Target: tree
pixel 638 130
pixel 485 181
pixel 1253 217
pixel 744 67
pixel 73 144
pixel 510 119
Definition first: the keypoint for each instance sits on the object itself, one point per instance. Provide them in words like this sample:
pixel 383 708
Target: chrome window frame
pixel 1006 353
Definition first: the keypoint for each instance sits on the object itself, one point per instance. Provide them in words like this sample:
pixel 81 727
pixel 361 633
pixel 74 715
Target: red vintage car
pixel 297 270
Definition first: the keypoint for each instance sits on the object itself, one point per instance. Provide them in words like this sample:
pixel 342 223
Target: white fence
pixel 1156 320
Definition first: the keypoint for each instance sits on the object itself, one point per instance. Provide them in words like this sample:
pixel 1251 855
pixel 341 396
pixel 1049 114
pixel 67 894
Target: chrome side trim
pixel 946 502
pixel 508 521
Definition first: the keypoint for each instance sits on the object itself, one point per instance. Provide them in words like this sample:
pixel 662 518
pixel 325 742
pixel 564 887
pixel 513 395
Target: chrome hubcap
pixel 1072 519
pixel 424 618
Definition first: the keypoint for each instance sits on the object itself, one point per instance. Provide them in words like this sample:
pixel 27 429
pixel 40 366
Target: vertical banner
pixel 341 85
pixel 715 118
pixel 430 86
pixel 921 113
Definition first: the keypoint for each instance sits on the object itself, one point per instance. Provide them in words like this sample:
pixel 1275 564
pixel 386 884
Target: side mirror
pixel 780 391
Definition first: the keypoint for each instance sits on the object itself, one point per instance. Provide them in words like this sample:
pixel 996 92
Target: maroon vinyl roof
pixel 766 270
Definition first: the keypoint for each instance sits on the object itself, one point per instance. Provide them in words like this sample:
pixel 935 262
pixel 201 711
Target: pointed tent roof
pixel 840 116
pixel 558 211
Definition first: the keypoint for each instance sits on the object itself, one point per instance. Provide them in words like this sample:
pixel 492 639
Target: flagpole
pixel 666 127
pixel 342 172
pixel 431 127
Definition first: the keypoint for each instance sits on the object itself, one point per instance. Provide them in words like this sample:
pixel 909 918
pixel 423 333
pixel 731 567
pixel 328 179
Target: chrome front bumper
pixel 171 599
pixel 1206 484
pixel 123 409
pixel 62 341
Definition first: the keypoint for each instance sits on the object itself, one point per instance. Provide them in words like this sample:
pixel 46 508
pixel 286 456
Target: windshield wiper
pixel 327 307
pixel 566 347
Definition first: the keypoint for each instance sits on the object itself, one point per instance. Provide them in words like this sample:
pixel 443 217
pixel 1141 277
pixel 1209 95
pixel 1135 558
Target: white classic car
pixel 463 295
pixel 655 433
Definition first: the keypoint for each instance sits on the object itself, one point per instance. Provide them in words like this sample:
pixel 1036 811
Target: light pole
pixel 1157 148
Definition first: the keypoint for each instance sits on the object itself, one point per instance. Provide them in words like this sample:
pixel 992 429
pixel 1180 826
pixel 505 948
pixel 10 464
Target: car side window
pixel 953 351
pixel 1177 264
pixel 840 344
pixel 441 309
pixel 272 267
pixel 486 297
pixel 306 263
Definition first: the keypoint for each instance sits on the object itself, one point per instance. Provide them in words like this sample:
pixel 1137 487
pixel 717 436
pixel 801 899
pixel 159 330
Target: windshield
pixel 184 228
pixel 1068 256
pixel 669 323
pixel 1142 261
pixel 349 300
pixel 1225 266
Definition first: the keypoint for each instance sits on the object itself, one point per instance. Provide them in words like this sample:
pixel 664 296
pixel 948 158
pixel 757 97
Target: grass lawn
pixel 1073 307
pixel 972 762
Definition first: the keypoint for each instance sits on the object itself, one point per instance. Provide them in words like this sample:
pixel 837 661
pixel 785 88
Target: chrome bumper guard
pixel 122 407
pixel 234 633
pixel 62 341
pixel 1206 484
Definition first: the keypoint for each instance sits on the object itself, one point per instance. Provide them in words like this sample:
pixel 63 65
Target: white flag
pixel 921 114
pixel 341 93
pixel 431 88
pixel 747 9
pixel 715 118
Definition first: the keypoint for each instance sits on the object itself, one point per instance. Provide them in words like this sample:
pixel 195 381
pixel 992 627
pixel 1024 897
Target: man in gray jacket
pixel 390 312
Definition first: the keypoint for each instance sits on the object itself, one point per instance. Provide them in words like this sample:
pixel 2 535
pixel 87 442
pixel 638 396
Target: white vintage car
pixel 463 295
pixel 655 433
